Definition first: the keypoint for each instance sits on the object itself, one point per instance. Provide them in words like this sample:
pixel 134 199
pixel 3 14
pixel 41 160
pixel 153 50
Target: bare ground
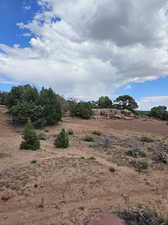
pixel 73 186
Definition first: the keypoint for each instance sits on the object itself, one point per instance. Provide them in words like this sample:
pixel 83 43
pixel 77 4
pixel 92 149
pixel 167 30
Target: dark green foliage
pixel 104 102
pixel 140 166
pixel 94 104
pixel 146 139
pixel 159 112
pixel 142 217
pixel 43 108
pixel 96 132
pixel 62 139
pixel 72 106
pixel 162 157
pixel 83 110
pixel 24 93
pixel 126 102
pixel 24 110
pixel 136 153
pixel 51 104
pixel 31 140
pixel 3 98
pixel 88 138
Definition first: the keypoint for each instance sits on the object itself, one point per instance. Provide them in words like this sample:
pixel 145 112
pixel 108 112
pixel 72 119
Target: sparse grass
pixel 136 153
pixel 142 217
pixel 96 132
pixel 107 143
pixel 146 139
pixel 42 136
pixel 41 204
pixel 140 166
pixel 88 138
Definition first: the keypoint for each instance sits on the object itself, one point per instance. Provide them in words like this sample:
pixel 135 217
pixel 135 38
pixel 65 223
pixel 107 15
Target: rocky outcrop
pixel 113 114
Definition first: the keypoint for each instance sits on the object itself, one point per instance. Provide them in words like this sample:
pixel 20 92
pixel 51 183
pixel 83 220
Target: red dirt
pixel 69 186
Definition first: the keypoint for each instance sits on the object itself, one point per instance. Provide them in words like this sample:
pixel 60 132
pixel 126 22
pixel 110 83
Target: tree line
pixel 45 107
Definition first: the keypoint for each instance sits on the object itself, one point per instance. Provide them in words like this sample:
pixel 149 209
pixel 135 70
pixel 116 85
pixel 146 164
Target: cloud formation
pixel 94 48
pixel 147 103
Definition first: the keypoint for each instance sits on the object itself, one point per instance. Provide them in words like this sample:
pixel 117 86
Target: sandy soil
pixel 73 186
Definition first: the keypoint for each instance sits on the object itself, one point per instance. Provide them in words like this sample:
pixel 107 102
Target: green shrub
pixel 88 138
pixel 31 140
pixel 146 139
pixel 162 157
pixel 83 110
pixel 159 112
pixel 104 102
pixel 70 132
pixel 140 166
pixel 136 153
pixel 43 108
pixel 142 217
pixel 96 132
pixel 62 139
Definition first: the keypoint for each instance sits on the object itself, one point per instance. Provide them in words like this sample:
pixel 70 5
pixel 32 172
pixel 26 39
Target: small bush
pixel 34 161
pixel 62 139
pixel 140 166
pixel 146 139
pixel 112 169
pixel 70 132
pixel 136 153
pixel 142 217
pixel 88 138
pixel 107 143
pixel 92 158
pixel 162 157
pixel 82 157
pixel 31 140
pixel 96 132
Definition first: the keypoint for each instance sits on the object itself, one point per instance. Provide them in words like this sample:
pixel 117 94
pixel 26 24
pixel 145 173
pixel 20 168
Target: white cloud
pixel 97 47
pixel 147 103
pixel 27 7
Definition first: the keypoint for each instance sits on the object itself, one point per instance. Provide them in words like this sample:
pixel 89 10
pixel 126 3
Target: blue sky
pixel 86 49
pixel 11 13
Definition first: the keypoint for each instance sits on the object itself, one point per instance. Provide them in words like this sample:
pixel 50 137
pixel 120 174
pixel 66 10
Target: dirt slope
pixel 75 185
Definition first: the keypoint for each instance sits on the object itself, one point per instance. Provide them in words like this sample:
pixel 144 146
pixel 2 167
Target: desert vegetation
pixel 80 168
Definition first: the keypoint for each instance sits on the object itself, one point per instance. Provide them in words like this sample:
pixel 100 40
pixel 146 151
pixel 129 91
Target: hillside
pixel 74 185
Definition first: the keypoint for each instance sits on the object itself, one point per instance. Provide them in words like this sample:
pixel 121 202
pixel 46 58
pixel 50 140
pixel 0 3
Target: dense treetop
pixel 45 107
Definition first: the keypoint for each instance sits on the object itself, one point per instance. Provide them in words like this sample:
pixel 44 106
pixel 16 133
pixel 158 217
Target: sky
pixel 87 48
